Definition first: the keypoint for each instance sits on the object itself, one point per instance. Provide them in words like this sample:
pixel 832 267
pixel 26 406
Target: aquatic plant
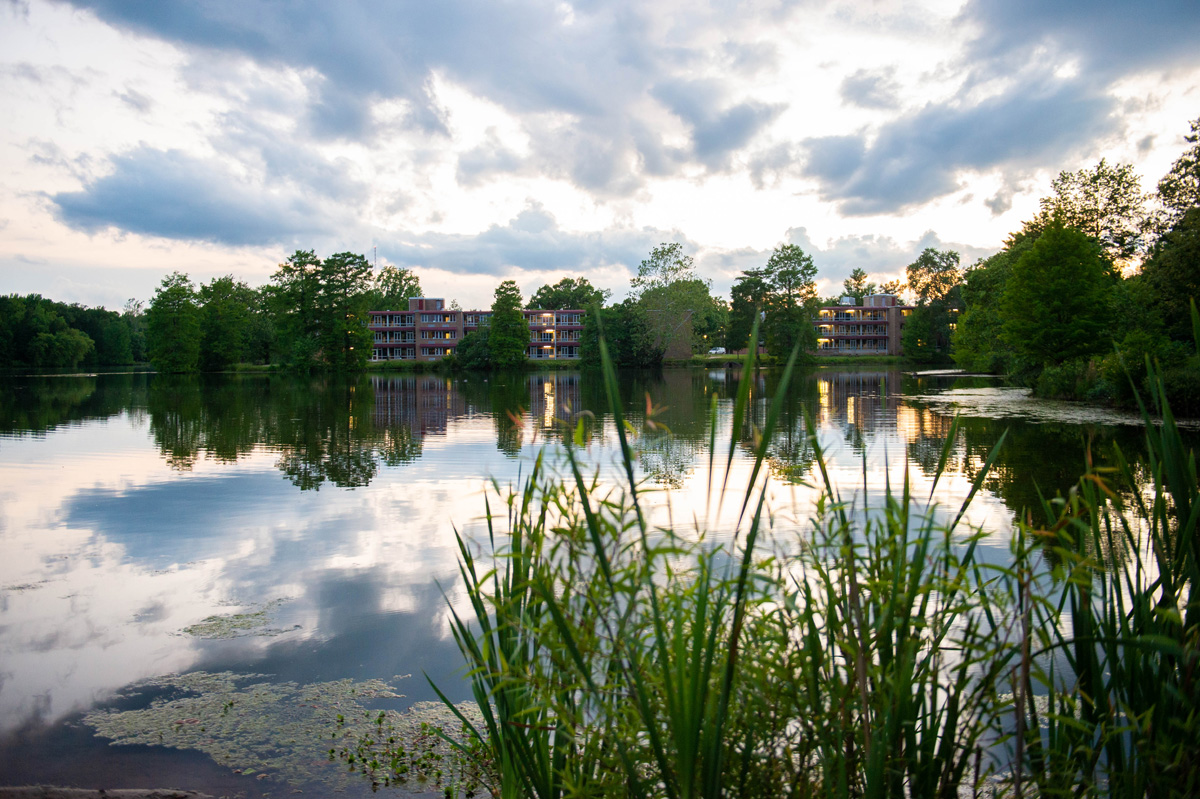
pixel 319 734
pixel 610 658
pixel 1117 656
pixel 879 658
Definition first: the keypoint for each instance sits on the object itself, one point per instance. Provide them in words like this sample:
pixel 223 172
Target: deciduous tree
pixel 791 300
pixel 1056 302
pixel 392 288
pixel 933 275
pixel 858 286
pixel 173 325
pixel 1105 202
pixel 293 297
pixel 748 298
pixel 1172 273
pixel 1179 189
pixel 508 332
pixel 342 306
pixel 568 294
pixel 670 294
pixel 225 314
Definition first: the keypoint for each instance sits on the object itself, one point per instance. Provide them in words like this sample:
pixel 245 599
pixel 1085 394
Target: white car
pixel 717 351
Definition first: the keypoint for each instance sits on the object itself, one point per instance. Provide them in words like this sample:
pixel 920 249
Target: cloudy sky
pixel 476 140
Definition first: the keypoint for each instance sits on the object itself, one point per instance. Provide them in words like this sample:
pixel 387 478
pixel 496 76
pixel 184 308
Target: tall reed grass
pixel 881 658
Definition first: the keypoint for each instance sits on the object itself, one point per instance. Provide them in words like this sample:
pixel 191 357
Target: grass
pixel 881 659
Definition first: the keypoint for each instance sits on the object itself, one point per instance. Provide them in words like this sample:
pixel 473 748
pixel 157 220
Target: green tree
pixel 933 275
pixel 1172 273
pixel 225 314
pixel 670 294
pixel 934 279
pixel 173 325
pixel 893 287
pixel 858 286
pixel 1105 202
pixel 342 306
pixel 748 298
pixel 134 316
pixel 977 341
pixel 508 332
pixel 710 323
pixel 1057 301
pixel 791 301
pixel 392 288
pixel 65 347
pixel 106 329
pixel 293 299
pixel 627 331
pixel 474 351
pixel 568 294
pixel 1179 189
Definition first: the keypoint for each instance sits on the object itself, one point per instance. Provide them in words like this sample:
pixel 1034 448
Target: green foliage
pixel 342 306
pixel 38 332
pixel 630 339
pixel 709 325
pixel 173 325
pixel 319 310
pixel 392 288
pixel 976 342
pixel 474 352
pixel 1076 379
pixel 747 299
pixel 568 294
pixel 791 301
pixel 858 286
pixel 61 348
pixel 226 306
pixel 784 295
pixel 508 335
pixel 1179 189
pixel 933 275
pixel 609 659
pixel 925 337
pixel 934 279
pixel 134 317
pixel 1105 202
pixel 292 297
pixel 671 297
pixel 1107 698
pixel 1057 301
pixel 1172 274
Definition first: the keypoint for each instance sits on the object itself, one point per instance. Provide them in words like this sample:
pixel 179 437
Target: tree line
pixel 1097 281
pixel 1102 280
pixel 38 332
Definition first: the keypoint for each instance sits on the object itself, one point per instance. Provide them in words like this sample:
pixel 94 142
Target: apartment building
pixel 428 331
pixel 872 328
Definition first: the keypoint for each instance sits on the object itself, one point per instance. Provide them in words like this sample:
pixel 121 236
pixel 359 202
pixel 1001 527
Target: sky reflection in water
pixel 134 506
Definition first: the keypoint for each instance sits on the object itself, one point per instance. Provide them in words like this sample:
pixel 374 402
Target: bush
pixel 1072 380
pixel 1182 387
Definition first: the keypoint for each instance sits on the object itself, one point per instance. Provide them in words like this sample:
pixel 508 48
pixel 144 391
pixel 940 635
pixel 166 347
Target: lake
pixel 286 546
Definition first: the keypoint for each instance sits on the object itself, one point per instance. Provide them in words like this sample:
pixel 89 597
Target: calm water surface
pixel 141 514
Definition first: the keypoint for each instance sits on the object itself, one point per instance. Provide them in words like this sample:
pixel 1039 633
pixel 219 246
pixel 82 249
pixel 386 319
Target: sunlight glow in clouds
pixel 475 141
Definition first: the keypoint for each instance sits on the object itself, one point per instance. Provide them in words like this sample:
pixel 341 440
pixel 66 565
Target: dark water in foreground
pixel 297 533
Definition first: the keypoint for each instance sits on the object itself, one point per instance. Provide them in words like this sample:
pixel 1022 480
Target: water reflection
pixel 133 506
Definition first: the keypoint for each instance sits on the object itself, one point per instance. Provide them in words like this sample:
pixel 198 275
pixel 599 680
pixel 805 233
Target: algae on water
pixel 240 625
pixel 282 731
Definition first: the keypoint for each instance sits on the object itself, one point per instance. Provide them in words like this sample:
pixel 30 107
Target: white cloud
pixel 225 133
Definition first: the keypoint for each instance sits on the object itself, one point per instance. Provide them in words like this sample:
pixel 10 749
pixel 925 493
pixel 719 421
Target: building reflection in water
pixel 423 404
